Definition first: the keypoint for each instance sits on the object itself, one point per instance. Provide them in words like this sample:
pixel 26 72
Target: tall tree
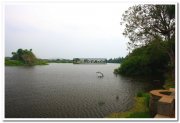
pixel 25 56
pixel 146 23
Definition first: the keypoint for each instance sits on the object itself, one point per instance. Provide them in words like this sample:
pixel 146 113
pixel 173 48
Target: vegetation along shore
pixel 24 58
pixel 151 30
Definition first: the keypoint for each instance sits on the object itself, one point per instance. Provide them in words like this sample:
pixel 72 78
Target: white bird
pixel 100 75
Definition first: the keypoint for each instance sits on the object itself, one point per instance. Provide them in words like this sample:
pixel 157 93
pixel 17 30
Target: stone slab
pixel 166 100
pixel 161 116
pixel 172 89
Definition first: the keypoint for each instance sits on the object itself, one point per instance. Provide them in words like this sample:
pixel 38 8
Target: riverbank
pixel 139 110
pixel 20 63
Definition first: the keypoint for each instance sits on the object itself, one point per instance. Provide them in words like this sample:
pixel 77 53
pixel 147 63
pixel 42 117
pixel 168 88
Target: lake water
pixel 68 91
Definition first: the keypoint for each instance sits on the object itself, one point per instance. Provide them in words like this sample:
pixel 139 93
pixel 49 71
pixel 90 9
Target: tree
pixel 146 23
pixel 116 60
pixel 25 56
pixel 76 60
pixel 149 60
pixel 86 60
pixel 15 56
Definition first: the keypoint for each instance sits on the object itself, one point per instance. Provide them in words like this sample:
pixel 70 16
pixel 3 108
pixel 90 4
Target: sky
pixel 66 30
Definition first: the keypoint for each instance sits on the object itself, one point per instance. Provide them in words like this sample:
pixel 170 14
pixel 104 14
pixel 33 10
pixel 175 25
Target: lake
pixel 68 91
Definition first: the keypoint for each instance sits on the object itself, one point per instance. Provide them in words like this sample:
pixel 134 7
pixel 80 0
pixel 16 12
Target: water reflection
pixel 67 91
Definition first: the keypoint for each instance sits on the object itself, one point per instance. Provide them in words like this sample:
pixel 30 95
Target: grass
pixel 20 63
pixel 139 110
pixel 139 115
pixel 13 63
pixel 146 97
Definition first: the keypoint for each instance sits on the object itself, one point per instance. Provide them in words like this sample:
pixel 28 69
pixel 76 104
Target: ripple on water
pixel 67 91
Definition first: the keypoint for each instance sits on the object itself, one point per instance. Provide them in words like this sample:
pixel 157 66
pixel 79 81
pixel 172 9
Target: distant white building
pixel 89 60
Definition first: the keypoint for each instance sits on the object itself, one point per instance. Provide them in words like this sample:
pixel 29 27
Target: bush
pixel 116 71
pixel 147 98
pixel 148 60
pixel 139 94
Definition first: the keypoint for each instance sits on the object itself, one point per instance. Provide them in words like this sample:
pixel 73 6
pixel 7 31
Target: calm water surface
pixel 67 91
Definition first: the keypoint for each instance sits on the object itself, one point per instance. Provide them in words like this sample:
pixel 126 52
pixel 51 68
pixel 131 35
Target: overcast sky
pixel 66 30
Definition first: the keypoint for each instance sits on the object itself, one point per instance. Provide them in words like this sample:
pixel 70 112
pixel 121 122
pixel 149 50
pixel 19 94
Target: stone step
pixel 161 116
pixel 172 89
pixel 166 106
pixel 168 100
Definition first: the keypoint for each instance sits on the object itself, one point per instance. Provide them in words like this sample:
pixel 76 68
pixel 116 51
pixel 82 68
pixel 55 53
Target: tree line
pixel 59 60
pixel 151 32
pixel 115 60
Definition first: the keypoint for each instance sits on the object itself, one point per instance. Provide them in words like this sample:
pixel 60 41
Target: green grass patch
pixel 139 110
pixel 21 63
pixel 13 63
pixel 139 115
pixel 146 97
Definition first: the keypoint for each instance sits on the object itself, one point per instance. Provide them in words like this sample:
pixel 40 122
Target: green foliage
pixel 169 83
pixel 146 23
pixel 139 94
pixel 23 57
pixel 27 57
pixel 116 60
pixel 148 60
pixel 76 61
pixel 20 63
pixel 139 110
pixel 13 63
pixel 139 115
pixel 59 60
pixel 146 98
pixel 116 71
pixel 41 62
pixel 143 23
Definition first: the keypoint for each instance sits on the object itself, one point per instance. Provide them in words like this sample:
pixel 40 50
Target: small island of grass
pixel 24 58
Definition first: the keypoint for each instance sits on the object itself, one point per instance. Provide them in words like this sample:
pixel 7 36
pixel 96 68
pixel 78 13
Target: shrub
pixel 139 94
pixel 139 115
pixel 148 60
